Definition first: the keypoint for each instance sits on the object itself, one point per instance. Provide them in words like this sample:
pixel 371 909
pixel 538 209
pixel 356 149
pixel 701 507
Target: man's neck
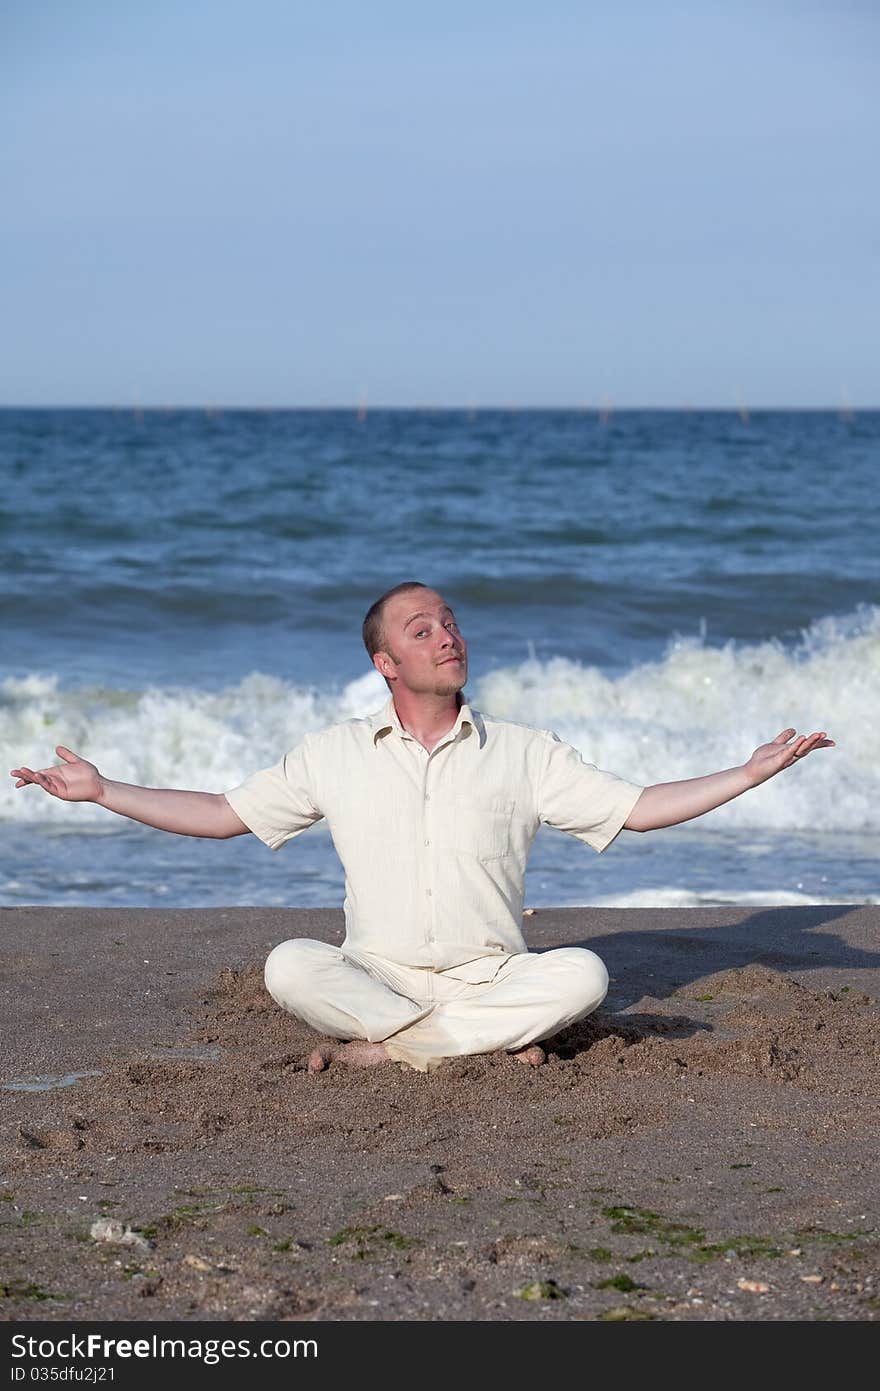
pixel 427 717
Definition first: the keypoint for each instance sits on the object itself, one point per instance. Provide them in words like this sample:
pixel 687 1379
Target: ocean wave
pixel 704 708
pixel 698 709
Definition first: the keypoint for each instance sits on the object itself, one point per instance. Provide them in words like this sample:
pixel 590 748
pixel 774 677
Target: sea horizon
pixel 609 408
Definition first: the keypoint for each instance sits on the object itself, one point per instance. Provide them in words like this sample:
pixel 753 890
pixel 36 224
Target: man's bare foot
pixel 533 1055
pixel 358 1053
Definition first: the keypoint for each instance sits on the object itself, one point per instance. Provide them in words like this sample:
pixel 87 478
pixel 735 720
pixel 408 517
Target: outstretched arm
pixel 186 813
pixel 668 803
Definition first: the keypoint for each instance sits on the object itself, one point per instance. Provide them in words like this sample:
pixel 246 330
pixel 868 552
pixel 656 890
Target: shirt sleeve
pixel 579 798
pixel 278 803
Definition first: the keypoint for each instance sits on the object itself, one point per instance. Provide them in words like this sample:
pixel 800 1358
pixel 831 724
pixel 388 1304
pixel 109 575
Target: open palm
pixel 787 748
pixel 74 780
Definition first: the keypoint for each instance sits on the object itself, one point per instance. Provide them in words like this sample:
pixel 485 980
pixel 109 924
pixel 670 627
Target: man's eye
pixel 421 633
pixel 452 626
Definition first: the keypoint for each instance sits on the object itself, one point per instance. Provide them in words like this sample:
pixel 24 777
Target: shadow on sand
pixel 659 962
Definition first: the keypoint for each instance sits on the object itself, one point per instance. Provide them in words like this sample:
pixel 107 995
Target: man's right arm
pixel 206 814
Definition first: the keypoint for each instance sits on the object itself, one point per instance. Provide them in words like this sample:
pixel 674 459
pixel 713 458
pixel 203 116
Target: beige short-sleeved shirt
pixel 434 845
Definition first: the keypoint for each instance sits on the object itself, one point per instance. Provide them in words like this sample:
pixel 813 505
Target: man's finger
pixel 784 737
pixel 817 741
pixel 67 754
pixel 806 744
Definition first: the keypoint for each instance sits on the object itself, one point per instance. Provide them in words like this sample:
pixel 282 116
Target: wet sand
pixel 703 1148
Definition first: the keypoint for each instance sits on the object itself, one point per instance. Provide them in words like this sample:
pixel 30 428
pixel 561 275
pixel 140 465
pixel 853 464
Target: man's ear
pixel 384 665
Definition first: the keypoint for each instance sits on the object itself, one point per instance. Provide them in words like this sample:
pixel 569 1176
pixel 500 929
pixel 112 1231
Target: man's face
pixel 423 650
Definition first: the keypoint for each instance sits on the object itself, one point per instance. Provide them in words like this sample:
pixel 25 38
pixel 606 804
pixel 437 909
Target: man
pixel 432 807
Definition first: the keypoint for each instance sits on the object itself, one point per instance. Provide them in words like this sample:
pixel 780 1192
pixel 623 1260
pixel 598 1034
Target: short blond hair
pixel 373 633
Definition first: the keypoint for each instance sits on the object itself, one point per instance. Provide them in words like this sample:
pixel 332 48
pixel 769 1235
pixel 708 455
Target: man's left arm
pixel 668 803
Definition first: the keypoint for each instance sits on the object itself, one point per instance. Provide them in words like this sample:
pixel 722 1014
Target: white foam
pixel 711 898
pixel 697 710
pixel 176 737
pixel 701 709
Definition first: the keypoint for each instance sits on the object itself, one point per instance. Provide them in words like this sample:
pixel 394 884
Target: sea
pixel 182 591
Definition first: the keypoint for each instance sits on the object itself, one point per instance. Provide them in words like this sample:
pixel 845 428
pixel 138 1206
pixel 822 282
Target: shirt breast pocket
pixel 480 827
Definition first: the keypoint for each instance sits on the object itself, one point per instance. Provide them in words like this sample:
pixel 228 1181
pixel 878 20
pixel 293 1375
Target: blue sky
pixel 286 204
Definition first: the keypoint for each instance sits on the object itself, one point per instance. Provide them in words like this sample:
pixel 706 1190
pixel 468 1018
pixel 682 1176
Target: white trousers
pixel 423 1016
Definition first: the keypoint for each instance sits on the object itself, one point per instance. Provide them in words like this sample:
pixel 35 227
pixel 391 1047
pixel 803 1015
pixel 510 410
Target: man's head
pixel 411 635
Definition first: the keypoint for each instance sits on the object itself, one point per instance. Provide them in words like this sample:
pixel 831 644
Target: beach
pixel 533 315
pixel 702 1148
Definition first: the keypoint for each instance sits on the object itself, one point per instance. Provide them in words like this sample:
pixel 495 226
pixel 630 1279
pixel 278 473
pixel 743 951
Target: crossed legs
pixel 418 1016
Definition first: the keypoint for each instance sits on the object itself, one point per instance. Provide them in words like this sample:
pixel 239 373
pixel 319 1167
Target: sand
pixel 703 1148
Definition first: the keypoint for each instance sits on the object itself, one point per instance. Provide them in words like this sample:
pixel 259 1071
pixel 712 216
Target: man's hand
pixel 74 780
pixel 783 751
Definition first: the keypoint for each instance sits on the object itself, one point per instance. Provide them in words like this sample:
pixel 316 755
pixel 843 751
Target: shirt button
pixel 427 842
pixel 429 893
pixel 427 796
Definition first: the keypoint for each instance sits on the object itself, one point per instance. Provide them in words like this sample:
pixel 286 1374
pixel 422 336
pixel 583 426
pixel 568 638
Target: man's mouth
pixel 447 660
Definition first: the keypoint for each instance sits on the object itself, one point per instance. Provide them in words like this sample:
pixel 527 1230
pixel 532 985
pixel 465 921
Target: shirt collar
pixel 386 720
